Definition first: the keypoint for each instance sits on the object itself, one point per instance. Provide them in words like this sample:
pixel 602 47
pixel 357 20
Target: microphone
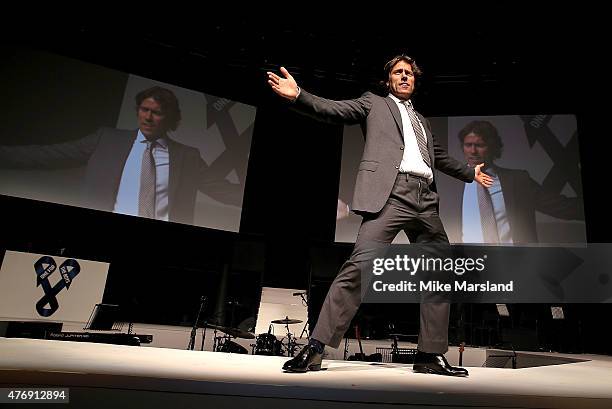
pixel 298 294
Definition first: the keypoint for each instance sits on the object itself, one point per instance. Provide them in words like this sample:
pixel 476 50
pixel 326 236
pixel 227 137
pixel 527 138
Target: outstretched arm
pixel 212 182
pixel 54 156
pixel 556 204
pixel 350 111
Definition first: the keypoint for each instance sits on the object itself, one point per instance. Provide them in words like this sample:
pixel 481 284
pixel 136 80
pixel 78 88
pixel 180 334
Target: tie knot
pixel 150 145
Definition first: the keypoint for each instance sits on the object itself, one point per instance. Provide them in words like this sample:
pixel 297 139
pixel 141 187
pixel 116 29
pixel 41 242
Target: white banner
pixel 41 287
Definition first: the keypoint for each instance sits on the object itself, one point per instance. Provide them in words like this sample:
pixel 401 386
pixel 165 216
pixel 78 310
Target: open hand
pixel 481 177
pixel 285 87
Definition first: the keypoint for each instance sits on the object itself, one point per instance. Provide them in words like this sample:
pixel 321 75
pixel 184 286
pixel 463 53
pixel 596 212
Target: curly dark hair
pixel 488 133
pixel 168 101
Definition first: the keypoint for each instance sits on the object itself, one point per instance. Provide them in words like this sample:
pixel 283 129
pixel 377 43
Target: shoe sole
pixel 314 368
pixel 424 369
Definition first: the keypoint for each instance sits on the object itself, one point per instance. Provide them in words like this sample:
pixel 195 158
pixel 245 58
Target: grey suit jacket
pixel 384 144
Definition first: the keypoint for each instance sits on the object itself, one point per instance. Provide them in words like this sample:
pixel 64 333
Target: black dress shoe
pixel 436 364
pixel 307 360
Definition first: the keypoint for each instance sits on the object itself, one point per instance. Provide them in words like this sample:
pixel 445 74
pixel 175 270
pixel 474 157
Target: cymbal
pixel 234 332
pixel 286 321
pixel 403 335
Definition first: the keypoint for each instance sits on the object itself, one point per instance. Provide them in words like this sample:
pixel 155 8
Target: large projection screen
pixel 69 130
pixel 538 168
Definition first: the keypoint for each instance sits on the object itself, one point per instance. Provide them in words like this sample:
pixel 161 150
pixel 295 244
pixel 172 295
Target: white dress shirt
pixel 129 187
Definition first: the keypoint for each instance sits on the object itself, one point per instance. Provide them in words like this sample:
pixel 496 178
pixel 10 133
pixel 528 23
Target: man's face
pixel 475 149
pixel 151 119
pixel 401 80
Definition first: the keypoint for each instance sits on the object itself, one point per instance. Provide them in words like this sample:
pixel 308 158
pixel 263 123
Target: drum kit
pixel 269 344
pixel 265 344
pixel 224 343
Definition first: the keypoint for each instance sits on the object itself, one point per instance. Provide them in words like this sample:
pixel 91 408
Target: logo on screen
pixel 45 267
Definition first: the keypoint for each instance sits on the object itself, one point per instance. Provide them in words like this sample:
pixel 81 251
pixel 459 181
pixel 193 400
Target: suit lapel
pixel 506 186
pixel 396 115
pixel 105 167
pixel 119 149
pixel 176 153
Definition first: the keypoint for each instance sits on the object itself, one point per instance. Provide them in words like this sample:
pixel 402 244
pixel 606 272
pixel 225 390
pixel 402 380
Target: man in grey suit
pixel 395 190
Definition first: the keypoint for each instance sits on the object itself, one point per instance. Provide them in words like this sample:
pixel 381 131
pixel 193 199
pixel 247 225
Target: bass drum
pixel 267 344
pixel 232 347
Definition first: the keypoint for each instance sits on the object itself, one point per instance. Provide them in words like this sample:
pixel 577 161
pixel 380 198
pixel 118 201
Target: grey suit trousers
pixel 411 207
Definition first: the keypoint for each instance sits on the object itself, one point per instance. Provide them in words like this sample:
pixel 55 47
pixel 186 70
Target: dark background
pixel 159 270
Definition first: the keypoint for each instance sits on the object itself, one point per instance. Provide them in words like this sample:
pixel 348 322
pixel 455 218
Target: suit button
pixel 401 148
pixel 397 167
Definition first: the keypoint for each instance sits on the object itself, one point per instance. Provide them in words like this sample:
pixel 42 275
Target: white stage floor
pixel 112 376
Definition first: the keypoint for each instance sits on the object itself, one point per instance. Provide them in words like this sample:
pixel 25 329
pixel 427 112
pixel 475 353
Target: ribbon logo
pixel 44 267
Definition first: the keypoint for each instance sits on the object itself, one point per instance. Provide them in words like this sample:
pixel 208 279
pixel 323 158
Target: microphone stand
pixel 194 330
pixel 307 324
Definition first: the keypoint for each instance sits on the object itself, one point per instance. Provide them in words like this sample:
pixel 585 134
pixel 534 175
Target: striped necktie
pixel 420 137
pixel 487 216
pixel 146 196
